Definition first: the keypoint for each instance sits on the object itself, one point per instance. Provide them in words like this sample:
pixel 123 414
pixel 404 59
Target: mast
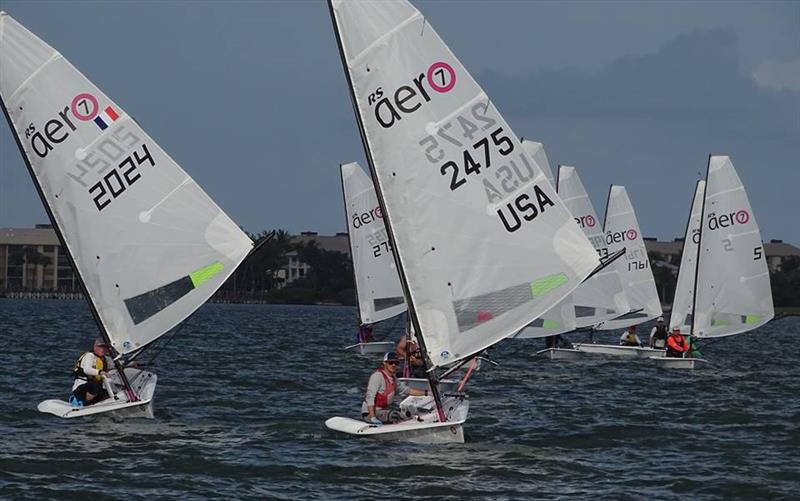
pixel 699 247
pixel 430 372
pixel 605 216
pixel 92 307
pixel 350 244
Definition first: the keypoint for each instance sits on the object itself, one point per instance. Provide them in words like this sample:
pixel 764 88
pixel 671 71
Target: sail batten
pixel 483 243
pixel 148 246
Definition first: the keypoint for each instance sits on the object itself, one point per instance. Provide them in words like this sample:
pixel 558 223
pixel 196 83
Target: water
pixel 244 391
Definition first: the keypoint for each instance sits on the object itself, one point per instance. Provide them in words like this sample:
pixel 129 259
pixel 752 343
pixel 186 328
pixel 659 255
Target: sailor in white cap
pixel 658 335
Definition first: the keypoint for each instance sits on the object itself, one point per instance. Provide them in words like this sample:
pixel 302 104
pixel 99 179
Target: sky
pixel 250 97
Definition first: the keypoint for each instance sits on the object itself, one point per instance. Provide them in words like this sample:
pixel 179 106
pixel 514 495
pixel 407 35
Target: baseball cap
pixel 391 357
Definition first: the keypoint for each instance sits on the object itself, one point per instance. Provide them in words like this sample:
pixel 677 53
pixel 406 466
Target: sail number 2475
pixel 477 152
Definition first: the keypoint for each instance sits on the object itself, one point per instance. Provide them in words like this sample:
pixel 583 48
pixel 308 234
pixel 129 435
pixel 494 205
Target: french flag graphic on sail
pixel 106 118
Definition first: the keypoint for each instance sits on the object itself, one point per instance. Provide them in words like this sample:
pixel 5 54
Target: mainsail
pixel 681 314
pixel 561 317
pixel 622 230
pixel 380 295
pixel 601 297
pixel 147 242
pixel 537 153
pixel 733 293
pixel 483 243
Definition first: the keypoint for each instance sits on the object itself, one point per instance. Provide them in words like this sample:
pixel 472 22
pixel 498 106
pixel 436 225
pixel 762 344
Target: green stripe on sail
pixel 752 319
pixel 204 274
pixel 550 324
pixel 544 285
pixel 719 323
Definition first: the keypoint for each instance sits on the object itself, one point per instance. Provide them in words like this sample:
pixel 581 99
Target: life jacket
pixel 77 370
pixel 382 400
pixel 677 342
pixel 660 333
pixel 630 339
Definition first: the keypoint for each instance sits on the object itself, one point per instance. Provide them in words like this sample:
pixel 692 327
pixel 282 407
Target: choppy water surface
pixel 244 391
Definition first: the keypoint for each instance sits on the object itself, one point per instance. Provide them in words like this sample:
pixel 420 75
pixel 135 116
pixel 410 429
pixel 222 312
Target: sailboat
pixel 147 244
pixel 728 281
pixel 622 232
pixel 482 243
pixel 601 297
pixel 561 317
pixel 380 295
pixel 378 289
pixel 683 302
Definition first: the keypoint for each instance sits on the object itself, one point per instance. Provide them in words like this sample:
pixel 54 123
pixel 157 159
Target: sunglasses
pixel 391 363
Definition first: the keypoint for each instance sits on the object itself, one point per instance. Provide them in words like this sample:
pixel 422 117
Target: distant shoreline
pixel 779 310
pixel 78 296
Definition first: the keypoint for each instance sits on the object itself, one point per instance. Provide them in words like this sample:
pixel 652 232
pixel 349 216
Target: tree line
pixel 259 278
pixel 330 277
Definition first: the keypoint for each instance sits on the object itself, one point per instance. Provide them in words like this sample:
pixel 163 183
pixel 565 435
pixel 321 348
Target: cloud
pixel 696 76
pixel 779 75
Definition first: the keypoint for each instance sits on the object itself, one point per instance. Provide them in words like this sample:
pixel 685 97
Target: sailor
pixel 658 335
pixel 630 338
pixel 676 344
pixel 557 341
pixel 411 362
pixel 382 388
pixel 365 334
pixel 89 371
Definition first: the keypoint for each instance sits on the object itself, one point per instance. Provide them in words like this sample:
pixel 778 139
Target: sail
pixel 557 320
pixel 681 315
pixel 622 231
pixel 733 289
pixel 380 294
pixel 601 297
pixel 537 153
pixel 148 243
pixel 483 243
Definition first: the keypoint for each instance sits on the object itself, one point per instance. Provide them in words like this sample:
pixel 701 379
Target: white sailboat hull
pixel 445 385
pixel 679 363
pixel 560 354
pixel 143 383
pixel 367 348
pixel 623 351
pixel 424 428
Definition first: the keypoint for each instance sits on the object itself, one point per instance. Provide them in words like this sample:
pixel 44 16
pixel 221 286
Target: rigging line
pixel 164 344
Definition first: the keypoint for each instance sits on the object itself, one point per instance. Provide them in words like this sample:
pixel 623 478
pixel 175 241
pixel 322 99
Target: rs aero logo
pixel 727 220
pixel 366 218
pixel 390 108
pixel 84 107
pixel 587 221
pixel 616 237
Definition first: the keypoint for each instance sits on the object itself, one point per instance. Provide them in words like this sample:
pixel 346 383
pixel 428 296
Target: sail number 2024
pixel 116 181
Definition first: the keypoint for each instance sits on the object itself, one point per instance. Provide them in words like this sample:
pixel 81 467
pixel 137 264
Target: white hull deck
pixel 422 428
pixel 679 363
pixel 143 383
pixel 367 348
pixel 445 385
pixel 617 350
pixel 560 354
